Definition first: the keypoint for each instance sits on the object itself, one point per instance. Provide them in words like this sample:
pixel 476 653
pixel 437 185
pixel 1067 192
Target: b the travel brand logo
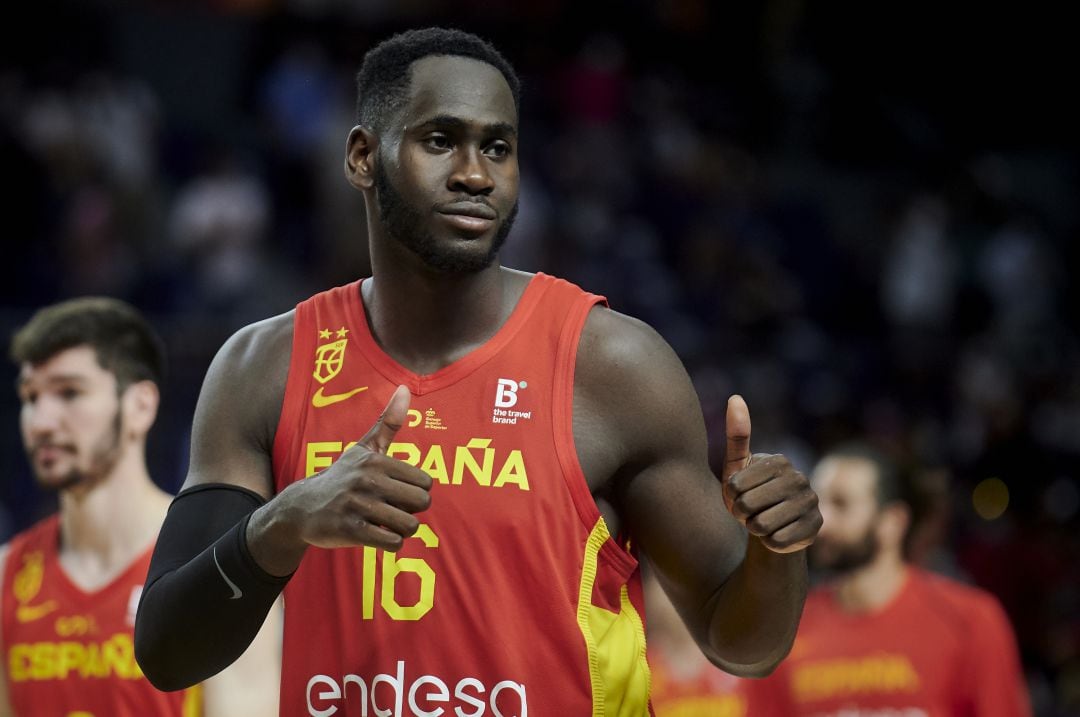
pixel 329 360
pixel 507 394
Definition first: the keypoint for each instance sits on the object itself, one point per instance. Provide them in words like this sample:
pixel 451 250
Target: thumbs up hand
pixel 764 492
pixel 365 497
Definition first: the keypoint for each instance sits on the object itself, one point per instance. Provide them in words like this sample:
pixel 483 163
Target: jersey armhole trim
pixel 290 428
pixel 563 428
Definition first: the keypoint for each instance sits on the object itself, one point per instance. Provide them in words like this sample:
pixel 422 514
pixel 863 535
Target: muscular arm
pixel 642 443
pixel 225 552
pixel 232 434
pixel 205 598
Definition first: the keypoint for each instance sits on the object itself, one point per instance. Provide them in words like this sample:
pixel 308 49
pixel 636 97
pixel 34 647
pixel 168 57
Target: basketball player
pixel 474 551
pixel 88 383
pixel 883 637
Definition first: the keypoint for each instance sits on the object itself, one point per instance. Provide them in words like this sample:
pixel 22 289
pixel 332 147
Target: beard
pixel 104 455
pixel 842 558
pixel 405 225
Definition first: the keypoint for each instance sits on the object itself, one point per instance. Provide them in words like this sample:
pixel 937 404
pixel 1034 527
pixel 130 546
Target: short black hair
pixel 121 337
pixel 891 485
pixel 382 84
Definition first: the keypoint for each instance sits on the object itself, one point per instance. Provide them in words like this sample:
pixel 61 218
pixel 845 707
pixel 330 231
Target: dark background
pixel 861 217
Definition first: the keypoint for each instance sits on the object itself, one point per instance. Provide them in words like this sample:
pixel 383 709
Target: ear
pixel 140 406
pixel 360 158
pixel 893 525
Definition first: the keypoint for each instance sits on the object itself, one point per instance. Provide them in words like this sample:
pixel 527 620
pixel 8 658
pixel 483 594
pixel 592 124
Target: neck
pixel 107 524
pixel 872 586
pixel 425 319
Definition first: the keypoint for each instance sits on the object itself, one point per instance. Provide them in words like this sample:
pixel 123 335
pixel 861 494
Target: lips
pixel 469 209
pixel 47 454
pixel 469 217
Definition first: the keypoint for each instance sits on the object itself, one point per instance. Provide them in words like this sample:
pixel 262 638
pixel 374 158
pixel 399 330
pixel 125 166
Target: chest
pixel 53 629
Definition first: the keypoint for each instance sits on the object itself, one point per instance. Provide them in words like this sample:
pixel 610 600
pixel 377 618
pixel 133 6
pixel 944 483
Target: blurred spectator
pixel 883 636
pixel 219 224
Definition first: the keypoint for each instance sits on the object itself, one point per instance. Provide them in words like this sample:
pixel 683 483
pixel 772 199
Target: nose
pixel 470 174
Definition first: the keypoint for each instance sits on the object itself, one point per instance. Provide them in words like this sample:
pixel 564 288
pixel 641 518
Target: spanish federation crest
pixel 329 358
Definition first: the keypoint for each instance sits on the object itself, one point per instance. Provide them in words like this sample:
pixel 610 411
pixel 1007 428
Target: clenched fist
pixel 765 492
pixel 365 498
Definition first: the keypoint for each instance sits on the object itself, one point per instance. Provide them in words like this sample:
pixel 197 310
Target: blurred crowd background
pixel 863 218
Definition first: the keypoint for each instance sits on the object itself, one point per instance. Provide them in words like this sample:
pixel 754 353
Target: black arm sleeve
pixel 205 596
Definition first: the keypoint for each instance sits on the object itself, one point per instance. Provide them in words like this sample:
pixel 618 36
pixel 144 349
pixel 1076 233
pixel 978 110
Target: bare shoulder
pixel 627 361
pixel 262 347
pixel 240 404
pixel 633 400
pixel 615 347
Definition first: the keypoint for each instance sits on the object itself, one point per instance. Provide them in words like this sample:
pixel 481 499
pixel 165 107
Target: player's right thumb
pixel 390 422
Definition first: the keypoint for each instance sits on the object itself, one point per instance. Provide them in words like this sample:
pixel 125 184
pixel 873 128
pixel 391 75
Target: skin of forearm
pixel 753 617
pixel 272 540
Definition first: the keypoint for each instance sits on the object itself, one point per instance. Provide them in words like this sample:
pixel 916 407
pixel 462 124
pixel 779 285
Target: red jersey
pixel 938 649
pixel 70 652
pixel 512 598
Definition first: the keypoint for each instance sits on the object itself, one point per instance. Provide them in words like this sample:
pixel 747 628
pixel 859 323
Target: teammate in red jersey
pixel 884 637
pixel 474 551
pixel 88 383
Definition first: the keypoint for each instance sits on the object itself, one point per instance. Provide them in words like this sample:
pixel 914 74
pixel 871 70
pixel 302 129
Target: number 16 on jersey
pixel 392 567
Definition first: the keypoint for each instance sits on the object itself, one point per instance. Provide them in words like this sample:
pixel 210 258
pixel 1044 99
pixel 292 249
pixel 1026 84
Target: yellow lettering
pixel 119 657
pixel 393 565
pixel 74 625
pixel 72 655
pixel 58 660
pixel 464 459
pixel 513 471
pixel 43 661
pixel 842 677
pixel 315 460
pixel 114 661
pixel 899 675
pixel 435 465
pixel 719 706
pixel 407 452
pixel 95 666
pixel 369 583
pixel 19 663
pixel 319 455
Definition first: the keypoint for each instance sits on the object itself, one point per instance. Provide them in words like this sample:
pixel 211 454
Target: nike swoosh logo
pixel 29 613
pixel 319 400
pixel 237 593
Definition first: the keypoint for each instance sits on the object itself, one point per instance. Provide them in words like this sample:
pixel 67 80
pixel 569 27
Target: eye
pixel 69 394
pixel 498 149
pixel 438 142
